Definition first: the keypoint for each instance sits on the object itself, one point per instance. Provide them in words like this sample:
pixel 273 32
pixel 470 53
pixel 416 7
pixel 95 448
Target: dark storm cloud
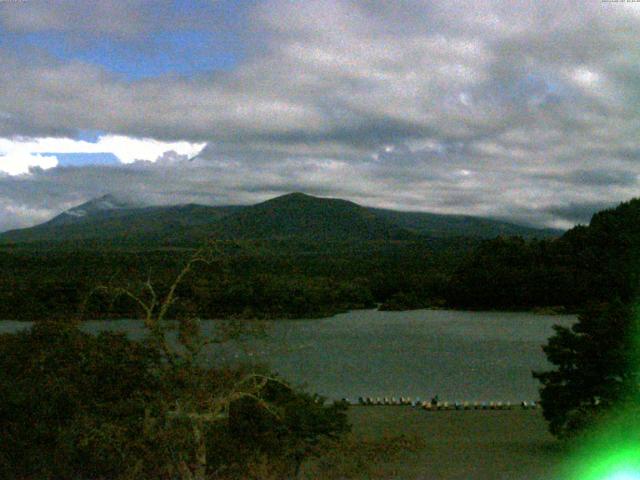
pixel 578 212
pixel 598 178
pixel 501 108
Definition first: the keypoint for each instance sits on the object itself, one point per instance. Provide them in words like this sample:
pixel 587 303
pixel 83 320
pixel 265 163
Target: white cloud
pixel 19 162
pixel 129 149
pixel 17 156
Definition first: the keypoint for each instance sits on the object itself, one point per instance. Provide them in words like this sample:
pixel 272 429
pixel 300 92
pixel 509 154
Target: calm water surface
pixel 458 355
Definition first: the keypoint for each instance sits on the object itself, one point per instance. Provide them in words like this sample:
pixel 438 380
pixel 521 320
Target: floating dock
pixel 437 405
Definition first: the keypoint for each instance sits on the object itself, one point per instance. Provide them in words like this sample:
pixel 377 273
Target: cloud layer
pixel 519 110
pixel 21 155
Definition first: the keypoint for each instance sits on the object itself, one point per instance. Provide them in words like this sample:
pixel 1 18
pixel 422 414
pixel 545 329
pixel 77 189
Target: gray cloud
pixel 114 19
pixel 578 212
pixel 520 110
pixel 597 177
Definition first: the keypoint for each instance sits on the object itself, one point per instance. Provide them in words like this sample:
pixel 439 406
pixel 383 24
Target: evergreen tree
pixel 596 367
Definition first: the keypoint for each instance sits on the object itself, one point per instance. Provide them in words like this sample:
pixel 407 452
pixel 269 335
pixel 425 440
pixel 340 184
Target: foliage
pixel 108 407
pixel 62 392
pixel 272 280
pixel 298 428
pixel 593 263
pixel 597 366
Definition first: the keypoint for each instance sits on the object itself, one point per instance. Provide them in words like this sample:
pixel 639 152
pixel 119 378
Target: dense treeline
pixel 269 280
pixel 588 264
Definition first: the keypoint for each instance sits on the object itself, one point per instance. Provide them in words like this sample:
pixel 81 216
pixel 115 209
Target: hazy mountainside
pixel 119 223
pixel 293 216
pixel 446 226
pixel 105 206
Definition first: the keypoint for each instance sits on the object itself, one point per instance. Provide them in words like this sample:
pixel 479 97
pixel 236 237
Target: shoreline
pixel 540 311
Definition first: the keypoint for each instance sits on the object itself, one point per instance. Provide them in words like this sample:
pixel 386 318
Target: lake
pixel 458 355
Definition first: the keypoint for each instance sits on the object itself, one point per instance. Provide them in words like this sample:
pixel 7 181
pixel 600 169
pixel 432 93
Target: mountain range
pixel 294 216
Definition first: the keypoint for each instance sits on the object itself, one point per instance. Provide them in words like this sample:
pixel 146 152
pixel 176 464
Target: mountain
pixel 447 226
pixel 294 216
pixel 105 206
pixel 304 217
pixel 108 219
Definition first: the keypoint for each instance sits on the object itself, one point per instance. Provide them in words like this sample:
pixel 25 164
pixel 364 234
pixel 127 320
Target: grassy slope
pixel 467 445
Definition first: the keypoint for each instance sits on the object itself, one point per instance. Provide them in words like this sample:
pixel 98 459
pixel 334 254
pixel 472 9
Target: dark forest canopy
pixel 591 263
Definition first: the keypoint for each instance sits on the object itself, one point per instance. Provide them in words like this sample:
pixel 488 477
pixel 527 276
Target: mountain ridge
pixel 291 216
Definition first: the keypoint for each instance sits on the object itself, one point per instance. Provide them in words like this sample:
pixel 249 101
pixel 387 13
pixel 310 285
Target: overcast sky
pixel 527 111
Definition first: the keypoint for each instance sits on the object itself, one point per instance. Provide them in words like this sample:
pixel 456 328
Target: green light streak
pixel 612 453
pixel 625 476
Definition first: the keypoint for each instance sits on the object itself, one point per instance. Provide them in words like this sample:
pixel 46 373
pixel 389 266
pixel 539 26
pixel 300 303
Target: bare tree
pixel 196 404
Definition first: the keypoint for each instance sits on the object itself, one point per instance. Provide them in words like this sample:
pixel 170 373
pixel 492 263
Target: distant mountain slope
pixel 446 226
pixel 292 216
pixel 143 224
pixel 304 217
pixel 105 206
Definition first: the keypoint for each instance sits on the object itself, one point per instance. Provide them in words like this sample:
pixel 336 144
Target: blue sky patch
pixel 82 159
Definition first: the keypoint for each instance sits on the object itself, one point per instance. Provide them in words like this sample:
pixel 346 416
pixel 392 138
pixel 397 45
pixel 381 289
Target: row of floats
pixel 434 404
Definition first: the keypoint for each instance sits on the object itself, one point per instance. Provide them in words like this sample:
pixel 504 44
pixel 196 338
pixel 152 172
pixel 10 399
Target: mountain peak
pixel 301 216
pixel 105 202
pixel 293 196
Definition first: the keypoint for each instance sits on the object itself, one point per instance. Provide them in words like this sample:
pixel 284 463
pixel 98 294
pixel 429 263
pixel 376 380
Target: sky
pixel 527 111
